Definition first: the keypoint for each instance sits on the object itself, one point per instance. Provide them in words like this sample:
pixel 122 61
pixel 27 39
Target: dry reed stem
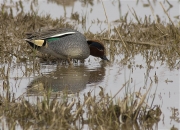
pixel 122 40
pixel 146 43
pixel 161 37
pixel 159 29
pixel 134 14
pixel 153 13
pixel 141 102
pixel 167 14
pixel 143 43
pixel 169 3
pixel 119 90
pixel 106 17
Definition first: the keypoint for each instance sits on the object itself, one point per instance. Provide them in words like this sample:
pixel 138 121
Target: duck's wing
pixel 50 34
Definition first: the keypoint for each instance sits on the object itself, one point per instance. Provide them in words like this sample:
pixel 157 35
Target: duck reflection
pixel 63 2
pixel 71 2
pixel 73 79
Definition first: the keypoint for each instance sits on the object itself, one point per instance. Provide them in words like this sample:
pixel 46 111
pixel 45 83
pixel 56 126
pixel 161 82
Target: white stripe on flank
pixel 61 34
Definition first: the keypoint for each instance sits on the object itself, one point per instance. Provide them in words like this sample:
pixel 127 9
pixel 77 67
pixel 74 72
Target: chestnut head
pixel 97 49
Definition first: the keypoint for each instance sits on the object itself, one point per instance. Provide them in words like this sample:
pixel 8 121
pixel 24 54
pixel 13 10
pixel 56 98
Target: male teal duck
pixel 66 44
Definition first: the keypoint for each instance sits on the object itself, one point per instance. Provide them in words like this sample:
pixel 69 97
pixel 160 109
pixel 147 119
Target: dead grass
pixel 64 113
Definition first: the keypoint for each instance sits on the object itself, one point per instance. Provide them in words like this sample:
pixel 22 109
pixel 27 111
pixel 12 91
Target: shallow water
pixel 94 73
pixel 111 76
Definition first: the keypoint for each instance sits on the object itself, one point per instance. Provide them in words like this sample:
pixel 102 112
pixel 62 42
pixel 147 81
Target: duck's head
pixel 97 49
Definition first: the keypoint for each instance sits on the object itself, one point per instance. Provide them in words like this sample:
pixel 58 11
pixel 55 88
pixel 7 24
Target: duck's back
pixel 64 43
pixel 72 45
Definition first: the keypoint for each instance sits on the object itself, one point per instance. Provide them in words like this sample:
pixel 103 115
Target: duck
pixel 65 43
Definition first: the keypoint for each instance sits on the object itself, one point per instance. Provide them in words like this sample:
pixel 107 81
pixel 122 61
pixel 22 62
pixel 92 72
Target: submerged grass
pixel 97 112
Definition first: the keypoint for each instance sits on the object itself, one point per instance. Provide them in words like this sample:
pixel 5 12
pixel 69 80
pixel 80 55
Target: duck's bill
pixel 104 58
